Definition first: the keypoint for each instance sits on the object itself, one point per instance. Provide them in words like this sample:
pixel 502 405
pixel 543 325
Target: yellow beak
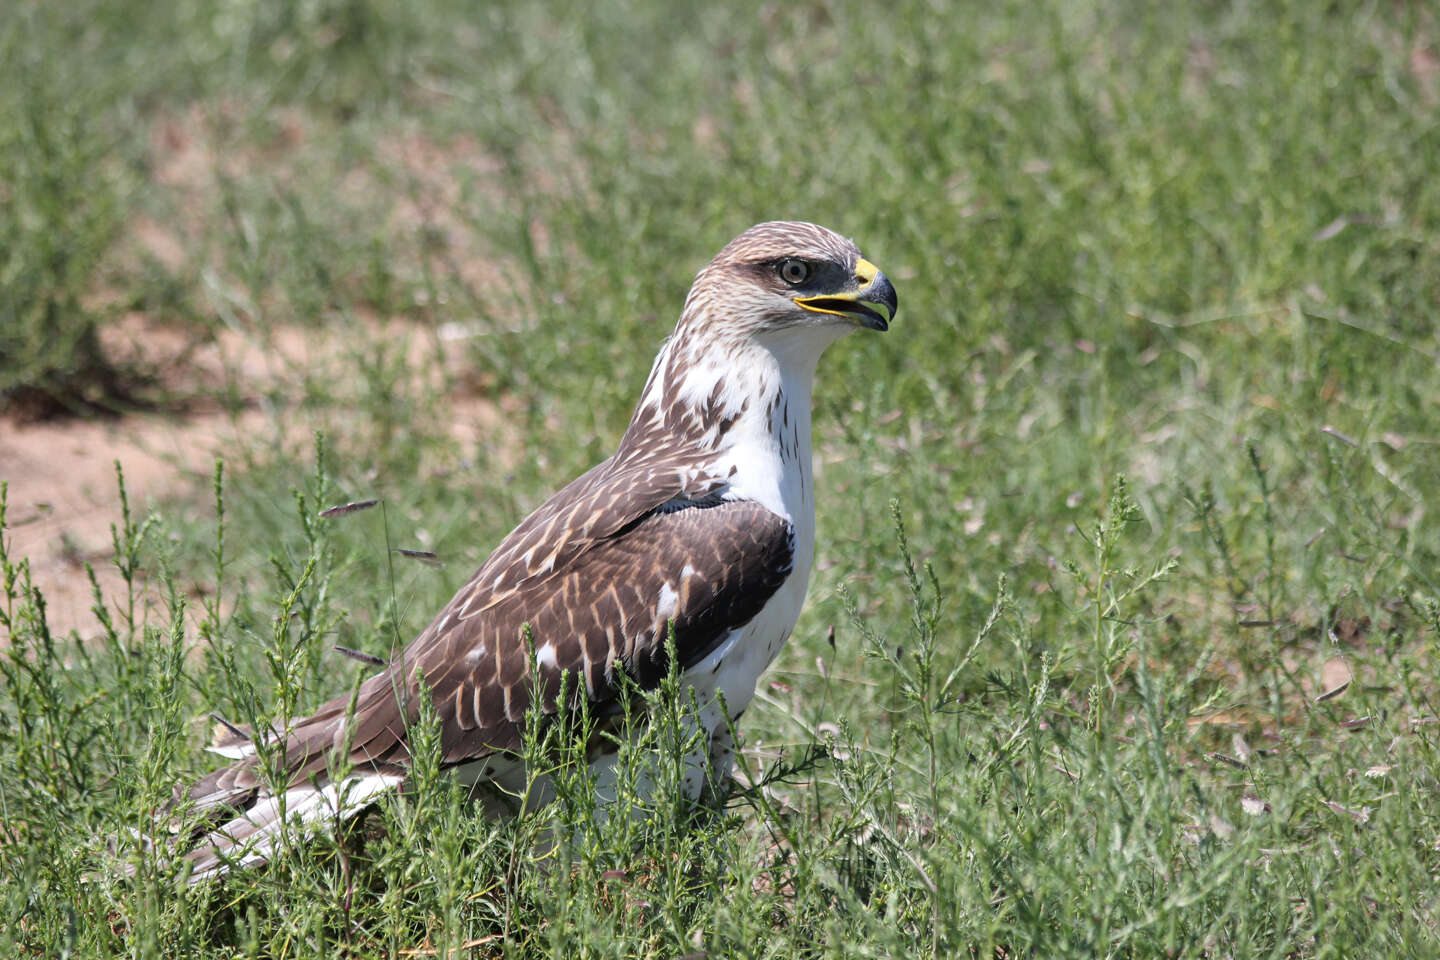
pixel 871 303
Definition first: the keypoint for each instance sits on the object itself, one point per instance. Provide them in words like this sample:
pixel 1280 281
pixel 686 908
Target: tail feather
pixel 235 741
pixel 242 819
pixel 252 837
pixel 229 788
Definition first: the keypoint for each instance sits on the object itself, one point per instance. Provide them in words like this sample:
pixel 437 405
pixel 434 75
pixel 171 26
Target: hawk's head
pixel 790 276
pixel 754 325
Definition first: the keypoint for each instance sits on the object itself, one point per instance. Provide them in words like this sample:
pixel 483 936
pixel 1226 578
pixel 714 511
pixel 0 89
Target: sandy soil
pixel 62 490
pixel 63 496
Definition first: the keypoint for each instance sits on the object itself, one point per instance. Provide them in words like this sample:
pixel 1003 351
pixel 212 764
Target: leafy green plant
pixel 1029 710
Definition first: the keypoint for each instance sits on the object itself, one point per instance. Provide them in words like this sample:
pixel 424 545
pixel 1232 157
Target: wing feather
pixel 588 573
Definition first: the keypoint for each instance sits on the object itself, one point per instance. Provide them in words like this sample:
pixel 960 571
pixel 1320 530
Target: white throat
pixel 770 443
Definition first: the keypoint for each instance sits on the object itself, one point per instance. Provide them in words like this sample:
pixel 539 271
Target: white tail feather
pixel 252 838
pixel 234 751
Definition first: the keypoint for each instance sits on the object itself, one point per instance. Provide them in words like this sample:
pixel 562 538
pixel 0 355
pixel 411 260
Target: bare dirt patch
pixel 63 495
pixel 63 491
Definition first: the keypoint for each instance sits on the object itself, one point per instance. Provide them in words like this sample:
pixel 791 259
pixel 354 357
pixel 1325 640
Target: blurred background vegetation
pixel 1195 246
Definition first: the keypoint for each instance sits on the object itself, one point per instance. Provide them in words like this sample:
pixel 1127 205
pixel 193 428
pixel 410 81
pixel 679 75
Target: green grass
pixel 1157 421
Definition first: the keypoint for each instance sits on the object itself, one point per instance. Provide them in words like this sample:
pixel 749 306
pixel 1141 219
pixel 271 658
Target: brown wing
pixel 595 505
pixel 707 568
pixel 707 564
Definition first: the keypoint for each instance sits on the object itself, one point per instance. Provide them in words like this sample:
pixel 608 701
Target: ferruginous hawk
pixel 704 518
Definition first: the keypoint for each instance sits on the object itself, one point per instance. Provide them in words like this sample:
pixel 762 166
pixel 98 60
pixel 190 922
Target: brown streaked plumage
pixel 703 518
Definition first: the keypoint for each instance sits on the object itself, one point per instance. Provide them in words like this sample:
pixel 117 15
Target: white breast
pixel 771 460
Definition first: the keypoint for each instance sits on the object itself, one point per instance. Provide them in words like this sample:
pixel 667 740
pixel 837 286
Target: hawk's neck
pixel 741 411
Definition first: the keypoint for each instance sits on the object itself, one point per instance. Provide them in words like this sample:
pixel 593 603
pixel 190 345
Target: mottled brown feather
pixel 598 611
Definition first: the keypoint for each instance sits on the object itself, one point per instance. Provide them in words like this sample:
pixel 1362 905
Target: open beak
pixel 872 304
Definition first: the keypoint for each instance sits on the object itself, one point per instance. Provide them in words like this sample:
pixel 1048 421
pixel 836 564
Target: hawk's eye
pixel 793 272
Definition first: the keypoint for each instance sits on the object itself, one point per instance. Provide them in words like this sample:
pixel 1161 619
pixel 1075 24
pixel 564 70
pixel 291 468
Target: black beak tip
pixel 885 293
